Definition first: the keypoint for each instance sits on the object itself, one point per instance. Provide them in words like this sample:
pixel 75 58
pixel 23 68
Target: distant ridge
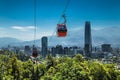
pixel 108 35
pixel 5 41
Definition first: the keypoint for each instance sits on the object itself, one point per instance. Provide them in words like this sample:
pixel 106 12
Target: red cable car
pixel 35 52
pixel 61 28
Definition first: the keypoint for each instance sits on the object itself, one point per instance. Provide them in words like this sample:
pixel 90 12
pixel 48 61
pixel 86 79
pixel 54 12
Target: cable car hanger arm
pixel 64 16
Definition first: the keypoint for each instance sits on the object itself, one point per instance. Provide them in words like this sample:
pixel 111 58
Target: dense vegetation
pixel 63 68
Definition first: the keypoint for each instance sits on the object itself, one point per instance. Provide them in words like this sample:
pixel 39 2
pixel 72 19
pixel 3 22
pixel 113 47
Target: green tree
pixel 14 69
pixel 28 69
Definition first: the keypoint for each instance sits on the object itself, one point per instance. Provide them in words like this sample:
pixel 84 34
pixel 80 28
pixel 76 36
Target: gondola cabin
pixel 61 30
pixel 34 52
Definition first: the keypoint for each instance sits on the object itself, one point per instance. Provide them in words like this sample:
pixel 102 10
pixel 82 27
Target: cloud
pixel 25 33
pixel 75 36
pixel 21 28
pixel 100 36
pixel 30 27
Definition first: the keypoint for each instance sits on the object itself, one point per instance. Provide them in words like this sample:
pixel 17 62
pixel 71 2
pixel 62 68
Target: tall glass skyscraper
pixel 44 44
pixel 88 40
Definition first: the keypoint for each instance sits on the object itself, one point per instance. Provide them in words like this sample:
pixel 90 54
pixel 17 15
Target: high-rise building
pixel 27 50
pixel 59 49
pixel 53 51
pixel 106 48
pixel 88 40
pixel 66 50
pixel 44 44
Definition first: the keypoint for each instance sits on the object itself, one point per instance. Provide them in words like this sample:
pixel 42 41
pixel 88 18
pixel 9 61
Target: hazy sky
pixel 17 16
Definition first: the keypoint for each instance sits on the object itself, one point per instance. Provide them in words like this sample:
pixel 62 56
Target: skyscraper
pixel 27 50
pixel 88 41
pixel 44 44
pixel 106 47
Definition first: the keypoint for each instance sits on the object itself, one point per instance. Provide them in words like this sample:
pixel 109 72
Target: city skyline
pixel 19 22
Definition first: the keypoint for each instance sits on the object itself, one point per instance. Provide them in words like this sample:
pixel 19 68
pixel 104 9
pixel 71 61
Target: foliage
pixel 63 68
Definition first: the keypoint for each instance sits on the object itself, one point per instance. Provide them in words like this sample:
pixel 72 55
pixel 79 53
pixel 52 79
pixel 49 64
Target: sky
pixel 17 16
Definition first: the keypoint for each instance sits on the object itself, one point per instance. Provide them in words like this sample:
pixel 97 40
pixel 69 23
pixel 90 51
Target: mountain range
pixel 108 35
